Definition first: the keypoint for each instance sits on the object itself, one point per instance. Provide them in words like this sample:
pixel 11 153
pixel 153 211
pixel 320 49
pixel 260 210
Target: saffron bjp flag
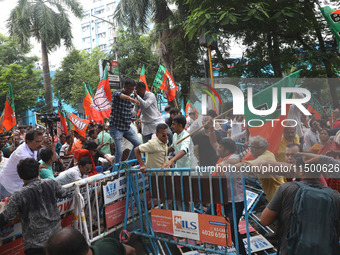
pixel 62 115
pixel 315 107
pixel 161 78
pixel 89 88
pixel 143 78
pixel 101 104
pixel 79 125
pixel 9 120
pixel 87 100
pixel 333 19
pixel 264 125
pixel 190 108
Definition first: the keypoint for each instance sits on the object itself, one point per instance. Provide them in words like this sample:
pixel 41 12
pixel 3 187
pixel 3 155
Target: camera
pixel 50 120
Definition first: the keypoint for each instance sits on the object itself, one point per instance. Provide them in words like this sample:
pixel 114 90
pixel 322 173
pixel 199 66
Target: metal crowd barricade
pixel 183 189
pixel 89 202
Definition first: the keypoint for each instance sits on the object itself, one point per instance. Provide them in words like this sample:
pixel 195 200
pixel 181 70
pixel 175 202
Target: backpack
pixel 313 223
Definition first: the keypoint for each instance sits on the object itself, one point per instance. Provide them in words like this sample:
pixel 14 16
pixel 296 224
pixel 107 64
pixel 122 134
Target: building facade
pixel 94 30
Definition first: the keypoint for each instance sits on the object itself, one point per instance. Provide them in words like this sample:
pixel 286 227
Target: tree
pixel 134 50
pixel 48 22
pixel 19 70
pixel 77 67
pixel 136 14
pixel 281 36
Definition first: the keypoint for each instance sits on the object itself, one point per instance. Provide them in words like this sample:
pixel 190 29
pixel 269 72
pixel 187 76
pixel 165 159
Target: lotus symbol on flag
pixel 172 85
pixel 100 101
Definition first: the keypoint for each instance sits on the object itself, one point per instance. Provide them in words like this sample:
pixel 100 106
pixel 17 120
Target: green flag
pixel 333 21
pixel 271 131
pixel 90 89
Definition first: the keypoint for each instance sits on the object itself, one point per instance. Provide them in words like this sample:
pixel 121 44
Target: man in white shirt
pixel 9 178
pixel 184 157
pixel 76 173
pixel 150 115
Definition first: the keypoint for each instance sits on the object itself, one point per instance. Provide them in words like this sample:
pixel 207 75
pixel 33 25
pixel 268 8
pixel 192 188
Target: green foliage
pixel 277 36
pixel 77 67
pixel 19 70
pixel 46 21
pixel 134 50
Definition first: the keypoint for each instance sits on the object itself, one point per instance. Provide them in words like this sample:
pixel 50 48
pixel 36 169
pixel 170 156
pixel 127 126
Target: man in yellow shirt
pixel 156 149
pixel 258 149
pixel 289 136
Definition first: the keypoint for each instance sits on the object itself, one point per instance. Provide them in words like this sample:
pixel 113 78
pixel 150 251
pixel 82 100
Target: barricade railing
pixel 182 192
pixel 83 208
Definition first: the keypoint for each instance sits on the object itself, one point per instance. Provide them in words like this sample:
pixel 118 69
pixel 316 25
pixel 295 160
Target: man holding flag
pixel 120 119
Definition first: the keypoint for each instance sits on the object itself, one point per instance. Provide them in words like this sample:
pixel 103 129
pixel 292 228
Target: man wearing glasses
pixel 9 178
pixel 156 149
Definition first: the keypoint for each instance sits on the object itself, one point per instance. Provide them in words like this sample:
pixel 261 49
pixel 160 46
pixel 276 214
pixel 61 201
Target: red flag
pixel 190 108
pixel 101 106
pixel 79 125
pixel 87 100
pixel 143 78
pixel 9 120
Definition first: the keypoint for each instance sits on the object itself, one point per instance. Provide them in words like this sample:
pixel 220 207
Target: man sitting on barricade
pixel 77 172
pixel 69 241
pixel 37 206
pixel 156 149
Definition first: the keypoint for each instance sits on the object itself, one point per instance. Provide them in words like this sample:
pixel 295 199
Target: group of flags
pixel 98 106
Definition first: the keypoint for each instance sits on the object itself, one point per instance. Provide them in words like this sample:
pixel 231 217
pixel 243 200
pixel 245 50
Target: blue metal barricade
pixel 179 190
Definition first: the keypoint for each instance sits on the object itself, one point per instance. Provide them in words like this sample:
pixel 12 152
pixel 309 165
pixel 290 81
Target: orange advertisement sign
pixel 214 229
pixel 162 221
pixel 200 227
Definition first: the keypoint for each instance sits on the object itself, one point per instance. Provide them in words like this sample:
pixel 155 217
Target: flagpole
pixel 198 129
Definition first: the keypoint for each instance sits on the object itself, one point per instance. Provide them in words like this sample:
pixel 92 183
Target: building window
pixel 102 35
pixel 102 47
pixel 86 28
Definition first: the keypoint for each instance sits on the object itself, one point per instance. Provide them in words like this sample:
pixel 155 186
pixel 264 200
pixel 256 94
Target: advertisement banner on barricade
pixel 200 227
pixel 66 204
pixel 13 248
pixel 116 189
pixel 115 213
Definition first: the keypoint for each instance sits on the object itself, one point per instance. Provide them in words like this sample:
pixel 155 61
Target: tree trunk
pixel 47 77
pixel 274 54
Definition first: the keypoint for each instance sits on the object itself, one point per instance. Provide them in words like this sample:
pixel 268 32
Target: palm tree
pixel 135 14
pixel 48 22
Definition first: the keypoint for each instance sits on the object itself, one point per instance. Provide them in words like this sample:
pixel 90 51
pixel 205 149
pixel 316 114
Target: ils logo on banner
pixel 178 221
pixel 111 190
pixel 185 224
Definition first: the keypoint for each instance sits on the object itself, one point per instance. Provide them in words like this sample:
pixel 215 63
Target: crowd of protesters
pixel 30 159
